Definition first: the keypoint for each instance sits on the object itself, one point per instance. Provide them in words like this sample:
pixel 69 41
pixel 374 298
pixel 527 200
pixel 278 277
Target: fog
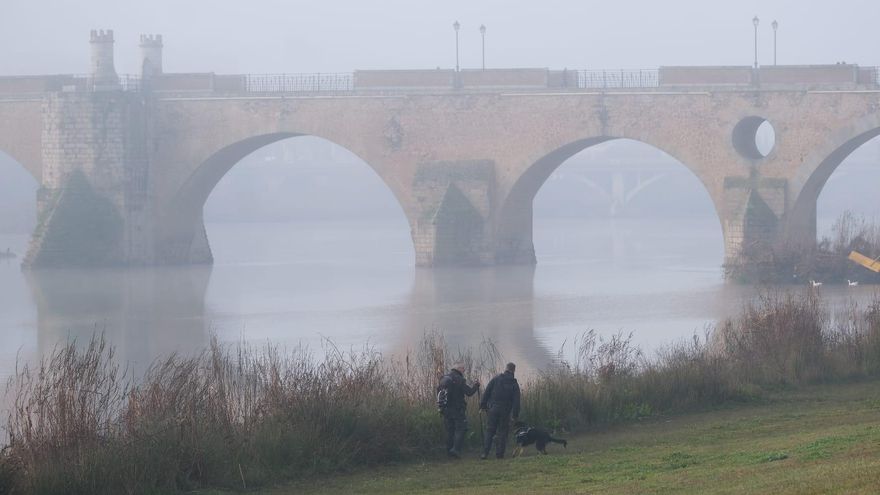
pixel 309 242
pixel 283 36
pixel 527 209
pixel 50 36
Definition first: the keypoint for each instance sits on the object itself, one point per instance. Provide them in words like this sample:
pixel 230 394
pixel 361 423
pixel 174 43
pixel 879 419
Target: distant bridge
pixel 126 163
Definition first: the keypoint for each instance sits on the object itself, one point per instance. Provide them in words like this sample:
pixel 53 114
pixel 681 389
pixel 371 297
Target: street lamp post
pixel 775 27
pixel 483 35
pixel 755 22
pixel 456 26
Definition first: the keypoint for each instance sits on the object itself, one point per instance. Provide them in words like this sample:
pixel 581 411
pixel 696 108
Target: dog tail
pixel 560 440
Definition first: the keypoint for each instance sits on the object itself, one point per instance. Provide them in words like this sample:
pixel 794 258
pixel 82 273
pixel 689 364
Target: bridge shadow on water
pixel 153 312
pixel 470 306
pixel 144 313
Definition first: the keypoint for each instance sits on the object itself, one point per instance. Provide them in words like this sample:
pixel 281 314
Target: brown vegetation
pixel 789 263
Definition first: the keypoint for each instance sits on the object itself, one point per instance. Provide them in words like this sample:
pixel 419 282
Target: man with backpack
pixel 452 404
pixel 501 400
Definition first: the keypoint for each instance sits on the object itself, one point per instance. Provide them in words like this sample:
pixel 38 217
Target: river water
pixel 354 284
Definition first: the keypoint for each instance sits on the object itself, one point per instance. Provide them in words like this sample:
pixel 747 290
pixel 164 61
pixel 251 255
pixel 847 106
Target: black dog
pixel 526 435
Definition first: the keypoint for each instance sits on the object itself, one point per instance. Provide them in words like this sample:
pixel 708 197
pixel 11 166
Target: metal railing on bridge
pixel 130 82
pixel 344 82
pixel 300 83
pixel 618 79
pixel 80 82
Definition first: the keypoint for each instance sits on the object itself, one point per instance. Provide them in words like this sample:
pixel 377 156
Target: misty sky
pixel 266 36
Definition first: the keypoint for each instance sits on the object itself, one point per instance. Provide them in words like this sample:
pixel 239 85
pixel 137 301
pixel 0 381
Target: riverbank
pixel 244 418
pixel 816 439
pixel 826 262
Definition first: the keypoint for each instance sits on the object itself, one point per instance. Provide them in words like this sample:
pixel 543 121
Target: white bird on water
pixel 851 283
pixel 815 284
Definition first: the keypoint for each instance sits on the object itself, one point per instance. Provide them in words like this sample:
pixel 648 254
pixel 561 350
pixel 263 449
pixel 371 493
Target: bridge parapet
pixel 442 80
pixel 404 80
pixel 838 77
pixel 37 85
pixel 787 77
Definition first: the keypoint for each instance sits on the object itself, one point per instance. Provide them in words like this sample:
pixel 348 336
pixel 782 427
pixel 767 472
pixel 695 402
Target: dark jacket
pixel 456 389
pixel 502 391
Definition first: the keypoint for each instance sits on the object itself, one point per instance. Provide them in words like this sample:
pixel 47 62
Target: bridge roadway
pixel 126 164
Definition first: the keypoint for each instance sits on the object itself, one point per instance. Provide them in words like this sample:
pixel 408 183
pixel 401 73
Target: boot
pixel 487 446
pixel 500 446
pixel 456 444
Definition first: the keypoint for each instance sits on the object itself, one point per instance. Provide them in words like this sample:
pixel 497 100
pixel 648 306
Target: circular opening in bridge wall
pixel 754 137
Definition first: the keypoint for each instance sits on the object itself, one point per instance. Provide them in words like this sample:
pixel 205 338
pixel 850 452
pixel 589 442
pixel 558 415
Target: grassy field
pixel 820 439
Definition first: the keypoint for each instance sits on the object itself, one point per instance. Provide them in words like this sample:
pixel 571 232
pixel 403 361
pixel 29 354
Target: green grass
pixel 820 439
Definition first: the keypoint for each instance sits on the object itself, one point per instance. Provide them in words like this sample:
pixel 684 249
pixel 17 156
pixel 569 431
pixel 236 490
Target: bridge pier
pixel 452 225
pixel 93 206
pixel 800 230
pixel 183 240
pixel 514 244
pixel 752 219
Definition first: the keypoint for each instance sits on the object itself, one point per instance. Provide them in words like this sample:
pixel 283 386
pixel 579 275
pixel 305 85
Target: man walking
pixel 451 400
pixel 501 400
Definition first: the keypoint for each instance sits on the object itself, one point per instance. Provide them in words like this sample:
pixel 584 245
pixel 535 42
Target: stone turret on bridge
pixel 151 55
pixel 103 74
pixel 125 172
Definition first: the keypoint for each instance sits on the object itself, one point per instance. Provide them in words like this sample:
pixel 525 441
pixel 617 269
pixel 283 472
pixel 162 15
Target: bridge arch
pixel 514 243
pixel 181 235
pixel 29 164
pixel 21 128
pixel 814 172
pixel 18 191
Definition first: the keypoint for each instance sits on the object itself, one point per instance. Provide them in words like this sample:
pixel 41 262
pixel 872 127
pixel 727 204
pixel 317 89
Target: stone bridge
pixel 126 163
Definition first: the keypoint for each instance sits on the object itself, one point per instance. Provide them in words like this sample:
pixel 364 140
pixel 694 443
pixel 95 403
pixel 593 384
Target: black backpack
pixel 442 399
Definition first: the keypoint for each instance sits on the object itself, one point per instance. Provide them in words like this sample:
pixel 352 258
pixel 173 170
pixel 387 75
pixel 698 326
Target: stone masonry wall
pixel 95 148
pixel 454 200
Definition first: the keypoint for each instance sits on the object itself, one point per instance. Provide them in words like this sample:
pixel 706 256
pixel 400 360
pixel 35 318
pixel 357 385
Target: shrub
pixel 787 262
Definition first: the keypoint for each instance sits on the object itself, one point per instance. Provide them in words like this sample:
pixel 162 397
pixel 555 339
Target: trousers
pixel 455 421
pixel 498 422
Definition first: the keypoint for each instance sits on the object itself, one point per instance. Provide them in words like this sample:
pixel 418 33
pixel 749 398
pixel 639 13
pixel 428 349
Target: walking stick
pixel 480 419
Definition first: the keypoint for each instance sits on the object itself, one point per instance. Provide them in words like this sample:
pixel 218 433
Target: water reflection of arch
pixel 470 305
pixel 144 313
